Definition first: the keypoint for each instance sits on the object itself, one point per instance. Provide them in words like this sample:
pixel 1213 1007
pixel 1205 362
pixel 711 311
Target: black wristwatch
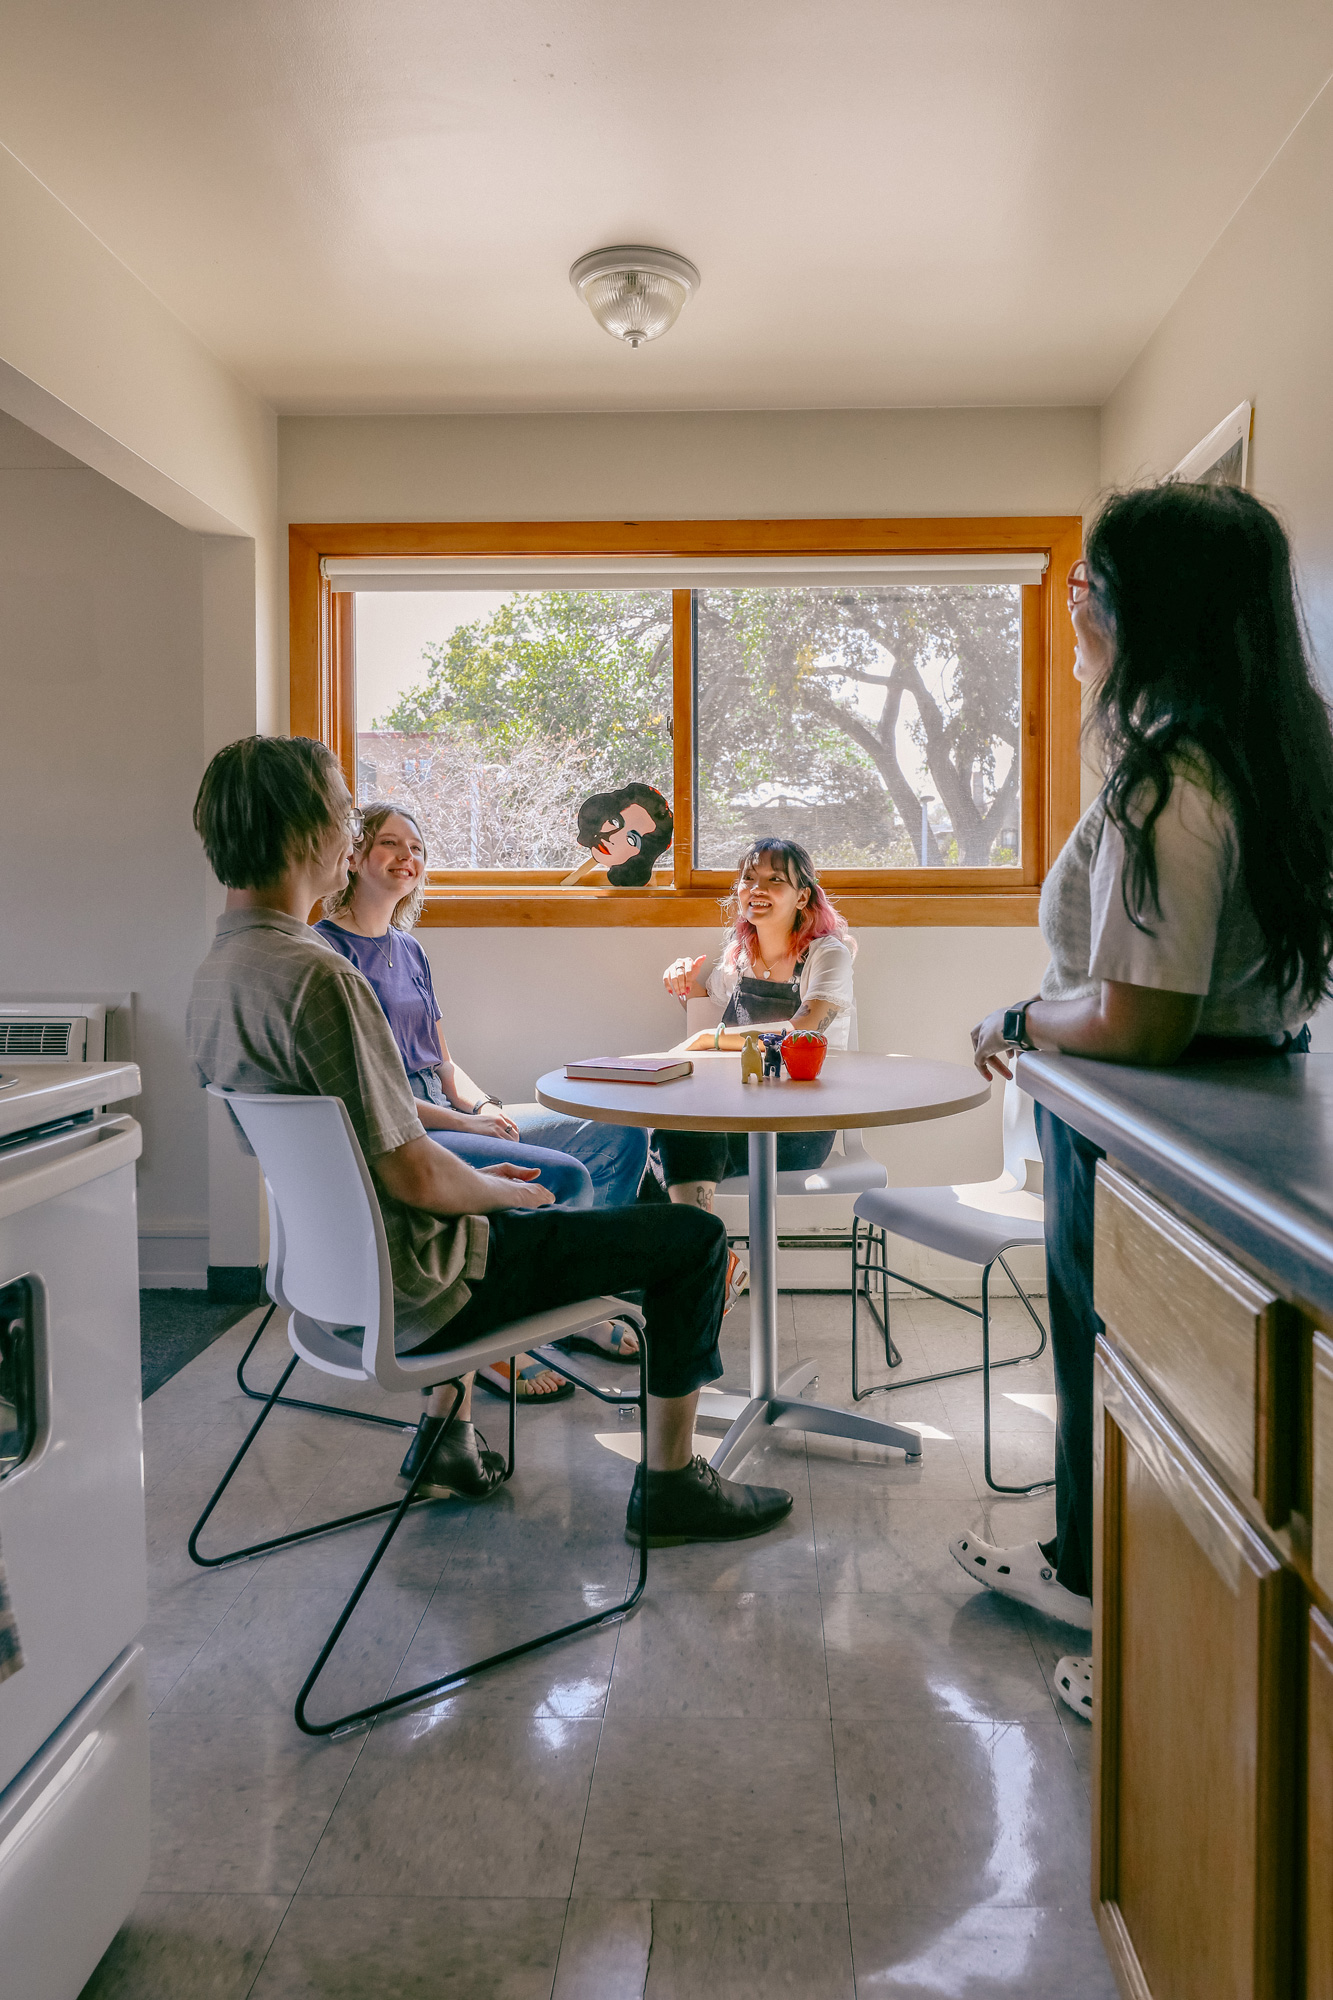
pixel 1016 1027
pixel 482 1102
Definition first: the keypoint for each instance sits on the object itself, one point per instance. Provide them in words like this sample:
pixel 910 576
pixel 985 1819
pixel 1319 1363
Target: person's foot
pixel 697 1505
pixel 459 1461
pixel 536 1384
pixel 1023 1574
pixel 1073 1683
pixel 615 1338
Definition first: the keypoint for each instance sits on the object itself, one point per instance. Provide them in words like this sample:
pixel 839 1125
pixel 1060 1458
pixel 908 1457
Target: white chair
pixel 329 1272
pixel 976 1223
pixel 849 1169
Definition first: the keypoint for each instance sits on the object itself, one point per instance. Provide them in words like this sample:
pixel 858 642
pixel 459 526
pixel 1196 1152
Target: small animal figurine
pixel 772 1055
pixel 752 1063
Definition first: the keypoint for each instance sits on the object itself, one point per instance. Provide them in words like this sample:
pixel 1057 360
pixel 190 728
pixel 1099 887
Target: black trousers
pixel 545 1257
pixel 715 1156
pixel 1069 1163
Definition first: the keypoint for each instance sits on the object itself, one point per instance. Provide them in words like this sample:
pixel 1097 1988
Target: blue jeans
pixel 568 1180
pixel 615 1155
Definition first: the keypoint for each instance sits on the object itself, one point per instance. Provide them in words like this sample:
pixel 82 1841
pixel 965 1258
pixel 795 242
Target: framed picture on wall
pixel 1223 457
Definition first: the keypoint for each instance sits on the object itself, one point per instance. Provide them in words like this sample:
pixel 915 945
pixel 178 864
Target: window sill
pixel 520 906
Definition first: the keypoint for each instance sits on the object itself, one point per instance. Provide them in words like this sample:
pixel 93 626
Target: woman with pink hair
pixel 786 963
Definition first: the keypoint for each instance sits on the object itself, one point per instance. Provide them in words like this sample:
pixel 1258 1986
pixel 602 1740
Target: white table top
pixel 852 1090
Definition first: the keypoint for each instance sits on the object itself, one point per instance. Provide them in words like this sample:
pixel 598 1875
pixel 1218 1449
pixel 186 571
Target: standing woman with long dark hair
pixel 1190 914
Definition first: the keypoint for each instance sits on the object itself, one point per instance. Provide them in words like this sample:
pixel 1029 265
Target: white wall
pixel 521 1001
pixel 104 886
pixel 1255 322
pixel 93 363
pixel 686 466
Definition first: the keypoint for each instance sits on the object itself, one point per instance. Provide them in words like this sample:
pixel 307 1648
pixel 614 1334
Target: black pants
pixel 715 1156
pixel 1069 1164
pixel 545 1257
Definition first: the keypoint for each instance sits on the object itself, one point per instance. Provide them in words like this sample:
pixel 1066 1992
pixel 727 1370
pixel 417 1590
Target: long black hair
pixel 1194 586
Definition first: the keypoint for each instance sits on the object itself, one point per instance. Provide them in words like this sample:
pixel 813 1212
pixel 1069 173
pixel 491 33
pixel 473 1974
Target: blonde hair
pixel 406 912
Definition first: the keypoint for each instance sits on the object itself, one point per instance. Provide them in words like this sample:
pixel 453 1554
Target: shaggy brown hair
pixel 265 803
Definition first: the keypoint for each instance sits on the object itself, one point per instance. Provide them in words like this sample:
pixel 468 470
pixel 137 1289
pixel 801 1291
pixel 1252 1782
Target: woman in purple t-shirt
pixel 370 923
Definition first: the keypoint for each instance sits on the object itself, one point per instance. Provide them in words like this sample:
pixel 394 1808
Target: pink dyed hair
pixel 818 919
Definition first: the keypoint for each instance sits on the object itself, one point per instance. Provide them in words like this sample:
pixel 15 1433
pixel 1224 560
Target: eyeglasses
pixel 1079 584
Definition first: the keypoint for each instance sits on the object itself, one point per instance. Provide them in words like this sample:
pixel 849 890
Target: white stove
pixel 73 1719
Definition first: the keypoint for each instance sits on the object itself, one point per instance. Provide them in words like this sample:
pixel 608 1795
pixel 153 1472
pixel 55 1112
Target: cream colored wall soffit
pixel 674 572
pixel 892 203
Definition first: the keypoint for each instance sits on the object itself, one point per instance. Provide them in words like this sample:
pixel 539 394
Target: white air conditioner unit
pixel 56 1030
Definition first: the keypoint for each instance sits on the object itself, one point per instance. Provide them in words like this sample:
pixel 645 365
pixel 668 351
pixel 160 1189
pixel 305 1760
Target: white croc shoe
pixel 1073 1683
pixel 1023 1574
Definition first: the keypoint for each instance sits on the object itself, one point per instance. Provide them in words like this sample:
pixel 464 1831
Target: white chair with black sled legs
pixel 329 1272
pixel 976 1223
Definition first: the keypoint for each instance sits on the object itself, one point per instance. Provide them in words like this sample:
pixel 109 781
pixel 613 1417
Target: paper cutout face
pixel 627 830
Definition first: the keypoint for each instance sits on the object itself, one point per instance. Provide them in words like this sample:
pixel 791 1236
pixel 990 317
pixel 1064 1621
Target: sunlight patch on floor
pixel 1043 1405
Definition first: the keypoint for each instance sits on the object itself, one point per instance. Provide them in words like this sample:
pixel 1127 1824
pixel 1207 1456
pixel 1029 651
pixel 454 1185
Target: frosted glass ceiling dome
pixel 635 292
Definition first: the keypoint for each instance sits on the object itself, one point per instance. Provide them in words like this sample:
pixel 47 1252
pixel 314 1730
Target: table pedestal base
pixel 786 1410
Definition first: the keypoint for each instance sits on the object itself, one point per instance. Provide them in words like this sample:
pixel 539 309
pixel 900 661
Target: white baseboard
pixel 173 1255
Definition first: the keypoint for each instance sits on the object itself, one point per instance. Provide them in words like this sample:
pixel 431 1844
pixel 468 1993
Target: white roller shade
pixel 504 573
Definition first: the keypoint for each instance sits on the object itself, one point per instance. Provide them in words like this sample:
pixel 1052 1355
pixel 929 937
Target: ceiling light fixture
pixel 633 291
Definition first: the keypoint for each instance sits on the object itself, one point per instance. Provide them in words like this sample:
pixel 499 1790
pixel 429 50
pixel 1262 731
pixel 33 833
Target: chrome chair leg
pixel 1041 1485
pixel 876 1264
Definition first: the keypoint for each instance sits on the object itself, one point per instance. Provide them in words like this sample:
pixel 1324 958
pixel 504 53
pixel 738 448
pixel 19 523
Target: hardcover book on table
pixel 629 1069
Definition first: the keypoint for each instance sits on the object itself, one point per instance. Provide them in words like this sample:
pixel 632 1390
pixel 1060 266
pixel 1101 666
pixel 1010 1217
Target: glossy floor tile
pixel 820 1763
pixel 209 1947
pixel 408 1947
pixel 692 1808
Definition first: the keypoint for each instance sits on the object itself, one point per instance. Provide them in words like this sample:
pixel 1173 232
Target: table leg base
pixel 791 1413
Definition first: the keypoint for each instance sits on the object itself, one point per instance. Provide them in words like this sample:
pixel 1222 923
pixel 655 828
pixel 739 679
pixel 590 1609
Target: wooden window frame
pixel 323 706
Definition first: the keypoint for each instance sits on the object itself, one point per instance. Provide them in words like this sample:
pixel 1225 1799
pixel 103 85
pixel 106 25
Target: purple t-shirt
pixel 404 988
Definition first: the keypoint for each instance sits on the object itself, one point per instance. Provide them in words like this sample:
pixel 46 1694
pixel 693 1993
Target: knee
pixel 703 1236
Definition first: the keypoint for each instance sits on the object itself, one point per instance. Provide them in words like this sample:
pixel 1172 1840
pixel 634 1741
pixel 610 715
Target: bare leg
pixel 694 1194
pixel 671 1431
pixel 440 1401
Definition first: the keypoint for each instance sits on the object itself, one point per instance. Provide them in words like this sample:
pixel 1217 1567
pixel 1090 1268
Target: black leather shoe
pixel 458 1463
pixel 698 1505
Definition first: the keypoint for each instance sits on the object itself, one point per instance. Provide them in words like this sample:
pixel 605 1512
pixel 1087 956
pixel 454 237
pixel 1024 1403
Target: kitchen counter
pixel 1245 1148
pixel 1212 1447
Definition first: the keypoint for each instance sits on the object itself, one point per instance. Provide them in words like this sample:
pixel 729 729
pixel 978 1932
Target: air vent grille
pixel 35 1038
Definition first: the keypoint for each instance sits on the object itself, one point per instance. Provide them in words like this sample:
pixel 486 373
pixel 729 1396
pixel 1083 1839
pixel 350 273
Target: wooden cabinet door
pixel 1319 1817
pixel 1196 1640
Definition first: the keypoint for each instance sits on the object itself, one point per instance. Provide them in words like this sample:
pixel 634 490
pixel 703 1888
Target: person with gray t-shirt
pixel 1189 916
pixel 276 1008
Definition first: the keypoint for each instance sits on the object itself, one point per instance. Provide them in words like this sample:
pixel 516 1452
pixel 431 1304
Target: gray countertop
pixel 1245 1148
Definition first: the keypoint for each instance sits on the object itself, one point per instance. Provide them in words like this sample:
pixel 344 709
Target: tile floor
pixel 822 1763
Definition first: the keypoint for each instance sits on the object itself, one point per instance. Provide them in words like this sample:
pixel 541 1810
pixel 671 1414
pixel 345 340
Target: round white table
pixel 853 1090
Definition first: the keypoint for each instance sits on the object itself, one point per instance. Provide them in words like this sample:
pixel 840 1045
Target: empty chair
pixel 976 1223
pixel 329 1272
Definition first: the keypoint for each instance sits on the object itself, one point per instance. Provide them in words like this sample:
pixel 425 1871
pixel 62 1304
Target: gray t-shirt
pixel 1206 939
pixel 276 1008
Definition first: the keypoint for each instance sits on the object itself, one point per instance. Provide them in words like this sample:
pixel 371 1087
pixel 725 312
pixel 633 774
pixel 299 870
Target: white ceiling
pixel 371 205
